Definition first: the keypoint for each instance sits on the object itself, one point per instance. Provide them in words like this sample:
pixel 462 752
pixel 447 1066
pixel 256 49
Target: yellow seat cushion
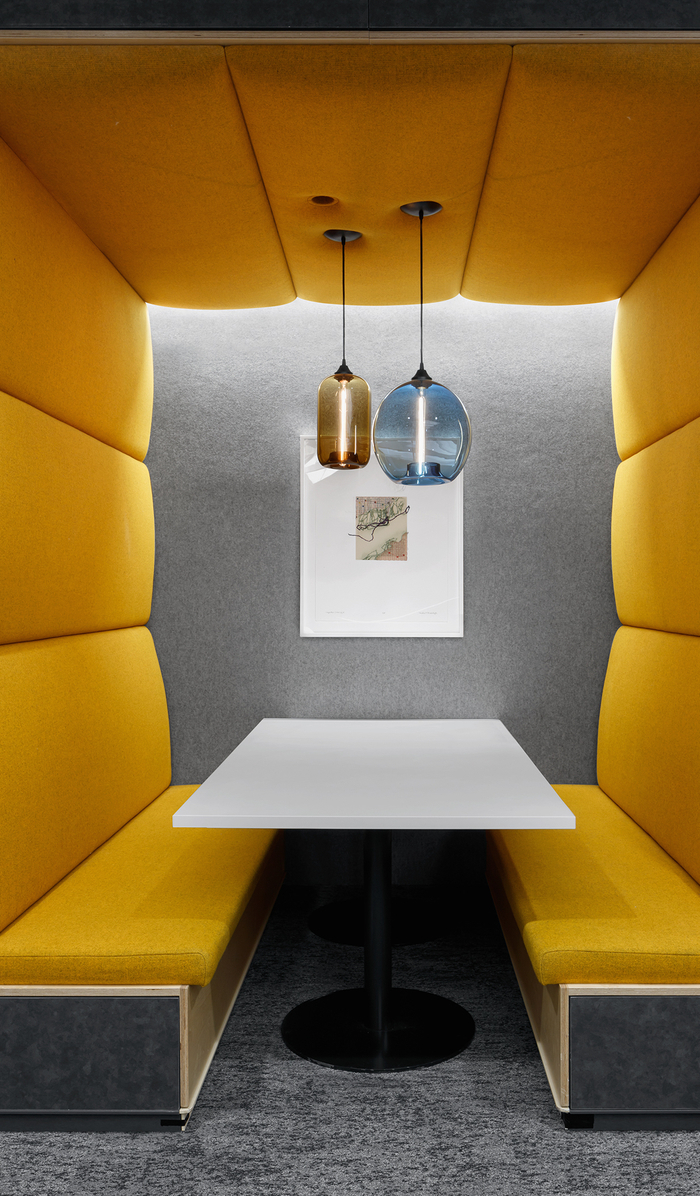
pixel 601 904
pixel 153 905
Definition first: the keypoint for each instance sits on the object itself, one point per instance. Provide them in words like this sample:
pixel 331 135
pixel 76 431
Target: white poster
pixel 378 558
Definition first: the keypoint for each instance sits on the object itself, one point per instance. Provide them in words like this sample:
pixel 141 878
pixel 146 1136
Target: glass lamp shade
pixel 344 420
pixel 422 434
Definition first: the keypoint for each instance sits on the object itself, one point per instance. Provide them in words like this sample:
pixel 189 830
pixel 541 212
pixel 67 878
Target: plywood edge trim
pixel 546 1005
pixel 632 990
pixel 90 990
pixel 232 37
pixel 200 1025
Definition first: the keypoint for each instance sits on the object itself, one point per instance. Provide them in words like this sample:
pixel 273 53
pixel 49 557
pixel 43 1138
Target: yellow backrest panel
pixel 649 737
pixel 84 729
pixel 596 158
pixel 373 127
pixel 656 534
pixel 77 530
pixel 74 336
pixel 145 147
pixel 656 347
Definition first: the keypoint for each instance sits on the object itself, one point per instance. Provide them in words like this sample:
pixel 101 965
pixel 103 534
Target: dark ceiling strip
pixel 327 16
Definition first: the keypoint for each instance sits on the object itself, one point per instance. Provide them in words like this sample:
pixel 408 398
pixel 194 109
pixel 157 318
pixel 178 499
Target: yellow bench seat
pixel 152 905
pixel 603 904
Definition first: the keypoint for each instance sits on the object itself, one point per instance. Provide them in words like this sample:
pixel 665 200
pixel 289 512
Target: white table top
pixel 377 774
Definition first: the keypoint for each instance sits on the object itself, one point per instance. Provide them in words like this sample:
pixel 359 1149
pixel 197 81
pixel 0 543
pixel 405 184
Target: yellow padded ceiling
pixel 596 158
pixel 74 337
pixel 146 149
pixel 77 530
pixel 374 127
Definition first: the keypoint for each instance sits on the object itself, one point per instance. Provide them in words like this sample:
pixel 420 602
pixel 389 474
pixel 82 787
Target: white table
pixel 378 775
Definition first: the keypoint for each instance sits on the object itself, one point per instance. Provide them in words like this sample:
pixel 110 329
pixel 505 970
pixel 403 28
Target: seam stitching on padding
pixel 488 163
pixel 260 173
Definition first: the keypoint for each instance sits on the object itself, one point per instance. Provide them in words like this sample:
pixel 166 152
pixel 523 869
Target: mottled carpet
pixel 269 1123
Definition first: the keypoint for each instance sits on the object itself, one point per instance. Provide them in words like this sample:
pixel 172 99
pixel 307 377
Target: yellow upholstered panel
pixel 145 147
pixel 152 906
pixel 356 124
pixel 85 746
pixel 596 158
pixel 74 336
pixel 649 737
pixel 76 526
pixel 656 348
pixel 603 904
pixel 656 534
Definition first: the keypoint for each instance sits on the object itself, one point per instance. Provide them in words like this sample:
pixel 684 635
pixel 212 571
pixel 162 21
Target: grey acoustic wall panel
pixel 234 390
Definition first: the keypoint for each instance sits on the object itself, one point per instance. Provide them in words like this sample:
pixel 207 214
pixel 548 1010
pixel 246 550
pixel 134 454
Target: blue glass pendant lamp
pixel 422 434
pixel 344 401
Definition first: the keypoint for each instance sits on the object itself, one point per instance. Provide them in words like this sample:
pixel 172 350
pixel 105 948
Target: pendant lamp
pixel 422 433
pixel 344 400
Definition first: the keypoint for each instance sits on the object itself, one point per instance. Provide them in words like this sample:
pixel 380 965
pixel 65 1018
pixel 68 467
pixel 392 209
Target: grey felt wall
pixel 233 392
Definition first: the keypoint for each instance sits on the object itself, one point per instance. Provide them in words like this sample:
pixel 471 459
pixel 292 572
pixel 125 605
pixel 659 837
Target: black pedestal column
pixel 378 1028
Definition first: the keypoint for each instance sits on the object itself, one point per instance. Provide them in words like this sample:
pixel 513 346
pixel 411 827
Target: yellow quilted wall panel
pixel 146 149
pixel 355 123
pixel 76 526
pixel 656 348
pixel 74 336
pixel 596 158
pixel 85 746
pixel 656 534
pixel 649 737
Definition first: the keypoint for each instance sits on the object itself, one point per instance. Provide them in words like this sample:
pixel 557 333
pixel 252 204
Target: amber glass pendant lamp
pixel 422 433
pixel 344 400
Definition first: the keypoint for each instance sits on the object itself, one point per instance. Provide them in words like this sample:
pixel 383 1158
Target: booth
pixel 202 176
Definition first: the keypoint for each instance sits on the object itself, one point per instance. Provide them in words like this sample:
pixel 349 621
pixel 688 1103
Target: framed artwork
pixel 377 558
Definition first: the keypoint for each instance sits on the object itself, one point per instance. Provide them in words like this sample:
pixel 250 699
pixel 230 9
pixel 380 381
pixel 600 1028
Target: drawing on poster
pixel 381 529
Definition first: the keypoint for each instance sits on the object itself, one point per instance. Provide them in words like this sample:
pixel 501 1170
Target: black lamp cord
pixel 422 367
pixel 344 365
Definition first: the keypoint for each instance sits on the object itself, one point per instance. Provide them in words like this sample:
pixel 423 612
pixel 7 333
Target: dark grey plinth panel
pixel 82 1054
pixel 635 1054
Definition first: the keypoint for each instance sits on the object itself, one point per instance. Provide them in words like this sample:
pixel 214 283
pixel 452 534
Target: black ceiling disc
pixel 429 207
pixel 337 234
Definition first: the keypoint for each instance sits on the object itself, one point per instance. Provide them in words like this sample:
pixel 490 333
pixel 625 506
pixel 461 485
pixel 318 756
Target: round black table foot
pixel 421 1030
pixel 344 922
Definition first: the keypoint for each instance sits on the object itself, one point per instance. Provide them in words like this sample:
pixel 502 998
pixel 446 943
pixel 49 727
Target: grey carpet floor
pixel 270 1124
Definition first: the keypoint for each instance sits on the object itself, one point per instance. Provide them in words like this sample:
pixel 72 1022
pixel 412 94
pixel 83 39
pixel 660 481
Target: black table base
pixel 420 1029
pixel 344 922
pixel 378 1028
